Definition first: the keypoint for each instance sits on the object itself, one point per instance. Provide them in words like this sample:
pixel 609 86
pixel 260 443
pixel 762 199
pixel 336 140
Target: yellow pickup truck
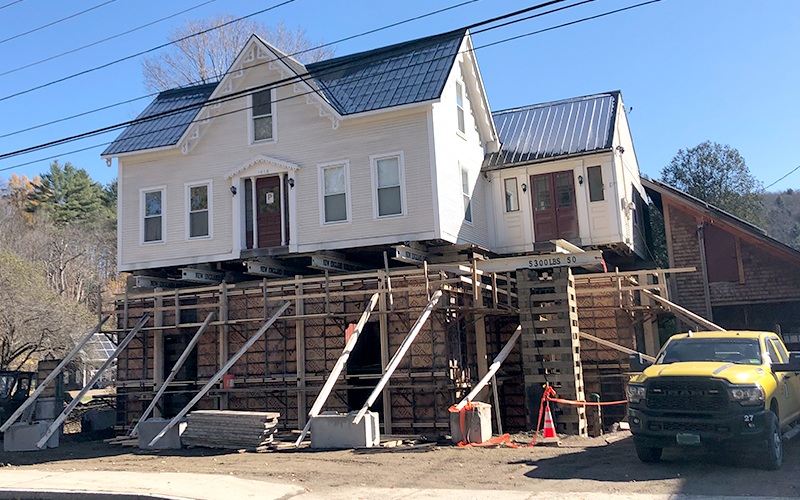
pixel 717 389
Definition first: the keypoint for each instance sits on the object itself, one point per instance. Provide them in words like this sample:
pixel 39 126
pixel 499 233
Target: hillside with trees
pixel 57 255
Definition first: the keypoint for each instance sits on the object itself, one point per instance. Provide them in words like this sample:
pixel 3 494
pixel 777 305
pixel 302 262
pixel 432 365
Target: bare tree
pixel 206 57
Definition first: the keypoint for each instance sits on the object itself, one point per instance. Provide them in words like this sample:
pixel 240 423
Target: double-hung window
pixel 388 185
pixel 261 111
pixel 466 195
pixel 198 210
pixel 460 106
pixel 152 213
pixel 334 181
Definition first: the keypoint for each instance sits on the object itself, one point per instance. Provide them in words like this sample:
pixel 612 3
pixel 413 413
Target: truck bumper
pixel 663 430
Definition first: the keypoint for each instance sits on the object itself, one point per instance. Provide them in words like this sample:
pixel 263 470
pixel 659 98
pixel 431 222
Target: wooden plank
pixel 60 420
pixel 300 355
pixel 178 364
pixel 337 368
pixel 498 360
pixel 398 356
pixel 219 374
pixel 53 374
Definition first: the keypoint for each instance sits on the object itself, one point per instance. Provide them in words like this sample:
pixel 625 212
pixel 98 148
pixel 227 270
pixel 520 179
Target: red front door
pixel 268 216
pixel 555 214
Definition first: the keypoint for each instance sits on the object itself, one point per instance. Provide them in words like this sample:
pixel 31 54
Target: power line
pixel 289 55
pixel 785 176
pixel 239 94
pixel 289 80
pixel 55 22
pixel 116 61
pixel 106 39
pixel 9 4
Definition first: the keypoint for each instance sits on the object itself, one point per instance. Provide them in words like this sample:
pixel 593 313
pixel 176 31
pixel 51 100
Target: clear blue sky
pixel 720 70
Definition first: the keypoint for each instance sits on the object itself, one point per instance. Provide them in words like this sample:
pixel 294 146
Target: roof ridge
pixel 615 93
pixel 177 90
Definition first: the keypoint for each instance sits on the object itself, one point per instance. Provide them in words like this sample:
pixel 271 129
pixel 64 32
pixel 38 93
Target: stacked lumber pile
pixel 230 429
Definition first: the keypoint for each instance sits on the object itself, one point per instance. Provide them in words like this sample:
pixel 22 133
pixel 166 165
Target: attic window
pixel 460 106
pixel 466 195
pixel 262 115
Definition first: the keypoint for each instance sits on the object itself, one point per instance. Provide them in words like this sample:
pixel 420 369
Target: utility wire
pixel 54 22
pixel 106 39
pixel 289 55
pixel 290 80
pixel 785 176
pixel 9 4
pixel 227 98
pixel 116 61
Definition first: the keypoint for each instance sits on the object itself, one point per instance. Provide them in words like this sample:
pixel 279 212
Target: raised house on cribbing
pixel 323 183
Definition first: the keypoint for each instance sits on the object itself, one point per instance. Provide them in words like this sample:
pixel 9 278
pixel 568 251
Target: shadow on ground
pixel 698 471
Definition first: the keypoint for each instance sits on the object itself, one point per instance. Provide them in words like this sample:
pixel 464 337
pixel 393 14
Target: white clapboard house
pixel 330 164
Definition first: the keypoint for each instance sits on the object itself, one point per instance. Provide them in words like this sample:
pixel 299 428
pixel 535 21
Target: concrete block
pixel 150 429
pixel 477 424
pixel 23 436
pixel 334 430
pixel 98 420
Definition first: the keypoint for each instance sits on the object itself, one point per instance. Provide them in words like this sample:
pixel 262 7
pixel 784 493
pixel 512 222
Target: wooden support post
pixel 172 374
pixel 53 374
pixel 388 281
pixel 327 292
pixel 427 280
pixel 383 324
pixel 498 360
pixel 497 416
pixel 651 340
pixel 264 297
pixel 480 325
pixel 508 288
pixel 158 340
pixel 122 345
pixel 219 375
pixel 337 369
pixel 398 356
pixel 224 337
pixel 494 290
pixel 300 351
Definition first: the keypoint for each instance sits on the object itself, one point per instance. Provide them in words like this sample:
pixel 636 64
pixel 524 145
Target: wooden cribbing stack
pixel 230 429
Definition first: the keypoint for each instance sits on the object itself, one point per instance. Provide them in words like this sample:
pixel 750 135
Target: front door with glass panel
pixel 554 212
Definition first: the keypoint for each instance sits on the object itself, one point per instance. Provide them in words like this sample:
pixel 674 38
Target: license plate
pixel 688 438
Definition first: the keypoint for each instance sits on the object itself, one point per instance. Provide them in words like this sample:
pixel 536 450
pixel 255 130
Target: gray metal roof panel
pixel 554 129
pixel 404 73
pixel 163 129
pixel 399 74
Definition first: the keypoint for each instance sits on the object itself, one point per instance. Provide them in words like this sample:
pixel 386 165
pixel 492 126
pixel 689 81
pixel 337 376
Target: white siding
pixel 598 222
pixel 453 151
pixel 627 169
pixel 303 138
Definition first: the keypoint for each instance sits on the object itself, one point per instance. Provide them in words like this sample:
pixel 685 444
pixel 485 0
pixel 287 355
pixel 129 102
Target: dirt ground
pixel 581 465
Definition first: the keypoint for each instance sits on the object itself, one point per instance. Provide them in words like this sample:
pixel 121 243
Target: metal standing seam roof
pixel 554 129
pixel 399 74
pixel 404 73
pixel 163 130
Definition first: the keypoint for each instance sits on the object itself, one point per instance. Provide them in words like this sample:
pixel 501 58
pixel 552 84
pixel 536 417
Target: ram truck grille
pixel 691 395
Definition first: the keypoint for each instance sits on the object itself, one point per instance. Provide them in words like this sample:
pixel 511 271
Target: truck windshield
pixel 739 351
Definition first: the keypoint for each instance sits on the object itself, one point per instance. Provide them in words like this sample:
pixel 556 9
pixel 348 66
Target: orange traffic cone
pixel 549 436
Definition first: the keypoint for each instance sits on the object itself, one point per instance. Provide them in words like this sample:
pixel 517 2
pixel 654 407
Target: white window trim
pixel 188 205
pixel 463 107
pixel 461 169
pixel 373 160
pixel 251 140
pixel 321 190
pixel 142 192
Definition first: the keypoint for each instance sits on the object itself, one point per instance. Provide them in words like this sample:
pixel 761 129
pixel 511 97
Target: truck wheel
pixel 772 454
pixel 647 454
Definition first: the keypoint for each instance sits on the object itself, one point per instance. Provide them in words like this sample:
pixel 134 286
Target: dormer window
pixel 261 112
pixel 460 106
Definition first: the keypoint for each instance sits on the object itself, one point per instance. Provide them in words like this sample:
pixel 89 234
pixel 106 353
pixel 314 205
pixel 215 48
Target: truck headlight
pixel 748 394
pixel 636 393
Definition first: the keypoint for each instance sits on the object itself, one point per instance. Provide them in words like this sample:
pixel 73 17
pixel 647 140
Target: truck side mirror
pixel 792 366
pixel 638 364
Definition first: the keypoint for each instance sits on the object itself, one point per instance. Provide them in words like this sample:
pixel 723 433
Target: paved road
pixel 46 485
